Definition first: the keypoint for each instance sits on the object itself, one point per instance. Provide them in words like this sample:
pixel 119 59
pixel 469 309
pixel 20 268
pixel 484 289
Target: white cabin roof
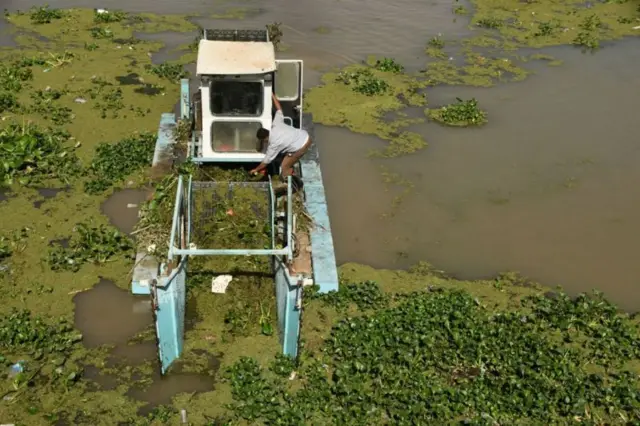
pixel 235 57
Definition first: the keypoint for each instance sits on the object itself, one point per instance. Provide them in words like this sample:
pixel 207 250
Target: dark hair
pixel 262 134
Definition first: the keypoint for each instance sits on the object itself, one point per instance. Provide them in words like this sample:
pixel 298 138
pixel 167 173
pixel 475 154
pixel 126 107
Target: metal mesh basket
pixel 231 215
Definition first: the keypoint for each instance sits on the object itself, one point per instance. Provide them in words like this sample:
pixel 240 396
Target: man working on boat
pixel 282 139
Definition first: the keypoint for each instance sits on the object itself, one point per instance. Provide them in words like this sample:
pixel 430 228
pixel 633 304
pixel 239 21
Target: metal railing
pixel 181 236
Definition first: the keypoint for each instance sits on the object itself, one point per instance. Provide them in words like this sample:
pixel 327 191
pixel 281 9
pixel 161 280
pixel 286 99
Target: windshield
pixel 236 98
pixel 235 136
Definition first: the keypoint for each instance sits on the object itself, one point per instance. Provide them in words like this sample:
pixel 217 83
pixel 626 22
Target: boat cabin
pixel 233 98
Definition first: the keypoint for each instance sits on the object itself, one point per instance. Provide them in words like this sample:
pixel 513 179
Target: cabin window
pixel 235 136
pixel 236 98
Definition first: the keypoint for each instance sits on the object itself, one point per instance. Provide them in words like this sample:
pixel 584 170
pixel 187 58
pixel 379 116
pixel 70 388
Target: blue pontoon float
pixel 236 73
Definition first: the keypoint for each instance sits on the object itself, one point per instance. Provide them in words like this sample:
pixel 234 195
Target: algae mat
pixel 501 29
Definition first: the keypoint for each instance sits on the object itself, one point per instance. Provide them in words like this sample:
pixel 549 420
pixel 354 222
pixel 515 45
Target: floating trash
pixel 220 283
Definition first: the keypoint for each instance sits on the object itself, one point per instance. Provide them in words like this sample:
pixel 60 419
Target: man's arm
pixel 269 156
pixel 258 169
pixel 276 102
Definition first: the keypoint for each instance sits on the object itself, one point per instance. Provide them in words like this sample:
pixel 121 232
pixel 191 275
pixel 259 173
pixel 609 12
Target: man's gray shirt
pixel 283 138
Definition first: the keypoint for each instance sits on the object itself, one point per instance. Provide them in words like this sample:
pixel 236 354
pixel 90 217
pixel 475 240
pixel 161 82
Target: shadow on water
pixel 46 194
pixel 122 208
pixel 133 79
pixel 110 316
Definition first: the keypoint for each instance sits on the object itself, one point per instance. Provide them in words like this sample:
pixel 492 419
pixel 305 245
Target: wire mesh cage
pixel 232 215
pixel 235 35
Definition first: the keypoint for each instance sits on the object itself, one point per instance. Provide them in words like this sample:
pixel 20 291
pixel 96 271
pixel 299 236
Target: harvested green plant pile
pixel 231 217
pixel 459 114
pixel 441 356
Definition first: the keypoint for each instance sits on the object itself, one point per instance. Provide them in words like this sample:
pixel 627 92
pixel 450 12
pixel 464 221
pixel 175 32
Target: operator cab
pixel 237 72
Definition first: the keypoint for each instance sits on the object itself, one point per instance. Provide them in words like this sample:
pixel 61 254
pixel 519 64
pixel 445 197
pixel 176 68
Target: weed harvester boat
pixel 237 71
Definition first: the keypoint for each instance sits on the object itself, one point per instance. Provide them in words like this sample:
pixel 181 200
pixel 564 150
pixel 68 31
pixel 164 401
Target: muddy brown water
pixel 547 188
pixel 123 206
pixel 109 315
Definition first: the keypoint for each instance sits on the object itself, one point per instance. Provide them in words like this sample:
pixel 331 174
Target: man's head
pixel 263 135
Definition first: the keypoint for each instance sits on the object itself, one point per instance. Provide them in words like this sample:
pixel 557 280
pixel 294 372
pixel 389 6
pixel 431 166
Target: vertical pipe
pixel 289 219
pixel 285 294
pixel 176 213
pixel 189 195
pixel 272 219
pixel 185 101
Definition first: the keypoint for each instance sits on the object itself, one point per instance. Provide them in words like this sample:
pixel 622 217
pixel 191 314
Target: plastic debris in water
pixel 220 283
pixel 16 369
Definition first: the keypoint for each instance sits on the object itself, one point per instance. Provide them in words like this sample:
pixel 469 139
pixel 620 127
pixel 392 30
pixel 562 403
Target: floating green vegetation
pixel 397 182
pixel 373 93
pixel 588 37
pixel 460 10
pixel 388 65
pixel 45 15
pixel 90 244
pixel 322 30
pixel 275 34
pixel 501 27
pixel 114 162
pixel 543 23
pixel 435 47
pixel 108 16
pixel 37 352
pixel 31 155
pixel 169 71
pixel 363 81
pixel 430 352
pixel 75 96
pixel 550 60
pixel 236 13
pixel 478 70
pixel 459 114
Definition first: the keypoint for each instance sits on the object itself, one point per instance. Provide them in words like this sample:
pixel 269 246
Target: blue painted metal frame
pixel 165 142
pixel 323 258
pixel 185 99
pixel 176 219
pixel 146 266
pixel 170 296
pixel 169 292
pixel 288 311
